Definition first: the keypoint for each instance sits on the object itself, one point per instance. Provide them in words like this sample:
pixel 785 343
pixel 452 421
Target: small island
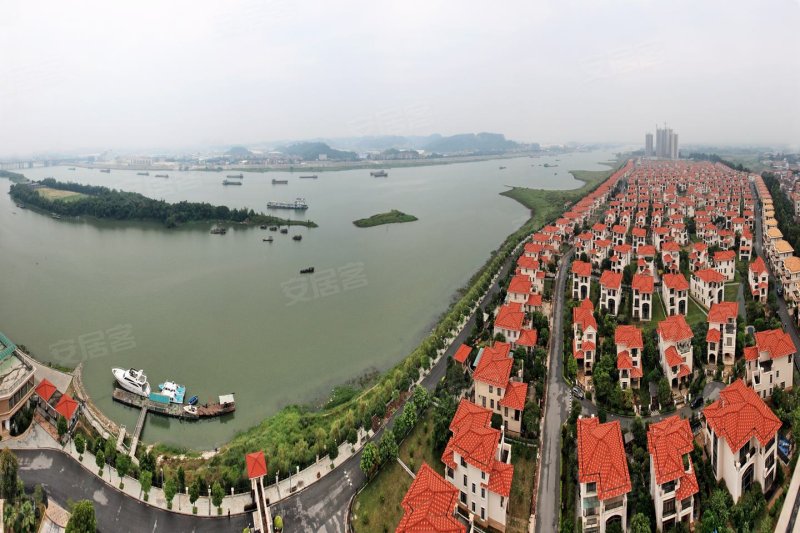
pixel 392 217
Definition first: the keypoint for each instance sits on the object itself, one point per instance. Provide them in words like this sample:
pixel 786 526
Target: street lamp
pixel 209 501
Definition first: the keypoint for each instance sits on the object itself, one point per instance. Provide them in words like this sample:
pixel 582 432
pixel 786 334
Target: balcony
pixel 614 503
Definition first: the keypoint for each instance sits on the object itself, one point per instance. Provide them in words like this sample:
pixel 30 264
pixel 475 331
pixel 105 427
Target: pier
pixel 225 405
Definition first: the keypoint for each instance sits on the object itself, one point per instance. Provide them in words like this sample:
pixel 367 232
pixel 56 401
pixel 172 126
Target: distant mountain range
pixel 310 151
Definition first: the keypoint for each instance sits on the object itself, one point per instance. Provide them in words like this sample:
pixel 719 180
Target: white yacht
pixel 132 380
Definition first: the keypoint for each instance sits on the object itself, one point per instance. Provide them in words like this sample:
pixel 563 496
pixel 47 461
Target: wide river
pixel 231 313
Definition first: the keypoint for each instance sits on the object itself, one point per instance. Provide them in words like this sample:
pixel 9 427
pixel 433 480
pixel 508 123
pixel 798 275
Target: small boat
pixel 273 228
pixel 309 270
pixel 297 237
pixel 311 177
pixel 235 176
pixel 268 239
pixel 379 174
pixel 193 400
pixel 502 168
pixel 219 231
pixel 231 182
pixel 190 409
pixel 71 168
pixel 132 380
pixel 21 206
pixel 279 182
pixel 284 230
pixel 142 173
pixel 106 170
pixel 162 175
pixel 55 215
pixel 263 226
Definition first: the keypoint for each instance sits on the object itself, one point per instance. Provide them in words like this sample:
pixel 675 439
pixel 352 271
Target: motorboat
pixel 172 391
pixel 190 409
pixel 193 400
pixel 132 380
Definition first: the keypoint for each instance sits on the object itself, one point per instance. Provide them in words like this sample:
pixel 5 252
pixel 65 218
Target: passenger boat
pixel 132 380
pixel 162 175
pixel 379 174
pixel 231 182
pixel 311 177
pixel 268 239
pixel 169 390
pixel 219 231
pixel 299 204
pixel 273 228
pixel 309 270
pixel 142 173
pixel 106 170
pixel 235 176
pixel 279 182
pixel 297 237
pixel 284 230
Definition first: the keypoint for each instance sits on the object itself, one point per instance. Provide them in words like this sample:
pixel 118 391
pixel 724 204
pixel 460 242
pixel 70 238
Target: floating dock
pixel 226 405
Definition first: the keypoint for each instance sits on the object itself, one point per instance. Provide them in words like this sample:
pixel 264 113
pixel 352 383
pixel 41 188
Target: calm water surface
pixel 231 313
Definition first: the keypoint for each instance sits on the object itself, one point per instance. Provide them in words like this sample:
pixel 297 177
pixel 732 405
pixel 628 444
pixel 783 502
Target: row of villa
pixel 739 430
pixel 476 485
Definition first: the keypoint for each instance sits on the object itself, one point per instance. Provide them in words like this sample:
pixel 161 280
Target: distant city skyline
pixel 170 76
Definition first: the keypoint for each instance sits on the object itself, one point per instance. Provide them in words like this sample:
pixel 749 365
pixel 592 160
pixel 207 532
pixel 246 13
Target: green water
pixel 230 313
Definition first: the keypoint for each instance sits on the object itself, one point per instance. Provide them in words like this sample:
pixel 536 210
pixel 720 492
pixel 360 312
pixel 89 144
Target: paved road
pixel 64 479
pixel 548 501
pixel 322 507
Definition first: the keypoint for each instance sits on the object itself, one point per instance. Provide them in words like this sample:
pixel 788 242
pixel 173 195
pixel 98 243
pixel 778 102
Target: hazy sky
pixel 140 75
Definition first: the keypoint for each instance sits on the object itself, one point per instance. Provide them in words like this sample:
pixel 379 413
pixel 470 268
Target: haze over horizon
pixel 188 73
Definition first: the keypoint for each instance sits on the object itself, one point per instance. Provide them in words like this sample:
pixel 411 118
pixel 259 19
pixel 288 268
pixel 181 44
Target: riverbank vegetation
pixel 104 203
pixel 391 217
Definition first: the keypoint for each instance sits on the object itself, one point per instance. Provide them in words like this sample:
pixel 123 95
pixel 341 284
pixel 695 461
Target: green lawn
pixel 521 489
pixel 378 506
pixel 731 292
pixel 658 314
pixel 695 314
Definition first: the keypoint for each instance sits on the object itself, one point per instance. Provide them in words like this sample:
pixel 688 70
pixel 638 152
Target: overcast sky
pixel 142 75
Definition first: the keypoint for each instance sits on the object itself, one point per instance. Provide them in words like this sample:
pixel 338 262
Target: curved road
pixel 65 480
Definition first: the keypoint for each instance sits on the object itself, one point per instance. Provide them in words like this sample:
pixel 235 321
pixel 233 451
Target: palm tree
pixel 27 517
pixel 10 516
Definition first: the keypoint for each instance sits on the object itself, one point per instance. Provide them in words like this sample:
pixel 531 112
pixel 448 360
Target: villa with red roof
pixel 725 263
pixel 584 335
pixel 629 355
pixel 495 389
pixel 758 279
pixel 430 505
pixel 519 288
pixel 698 257
pixel 642 287
pixel 745 245
pixel 462 354
pixel 769 362
pixel 740 433
pixel 673 483
pixel 602 474
pixel 581 279
pixel 675 350
pixel 610 291
pixel 721 336
pixel 707 287
pixel 510 321
pixel 478 464
pixel 675 294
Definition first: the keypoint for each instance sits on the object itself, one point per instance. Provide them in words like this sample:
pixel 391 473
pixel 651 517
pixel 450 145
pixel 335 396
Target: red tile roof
pixel 776 342
pixel 647 250
pixel 601 457
pixel 642 283
pixel 583 315
pixel 429 505
pixel 611 280
pixel 510 316
pixel 751 353
pixel 758 266
pixel 528 263
pixel 476 444
pixel 674 328
pixel 45 390
pixel 256 464
pixel 520 284
pixel 629 336
pixel 675 281
pixel 528 337
pixel 582 269
pixel 494 367
pixel 470 414
pixel 740 415
pixel 515 396
pixel 668 441
pixel 673 357
pixel 66 406
pixel 624 360
pixel 713 335
pixel 462 353
pixel 500 478
pixel 535 300
pixel 709 275
pixel 724 255
pixel 721 312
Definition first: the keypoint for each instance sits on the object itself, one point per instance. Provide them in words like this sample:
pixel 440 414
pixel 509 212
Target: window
pixel 463 462
pixel 483 492
pixel 449 472
pixel 465 480
pixel 473 488
pixel 483 513
pixel 669 507
pixel 473 507
pixel 483 475
pixel 491 403
pixel 463 498
pixel 591 487
pixel 491 389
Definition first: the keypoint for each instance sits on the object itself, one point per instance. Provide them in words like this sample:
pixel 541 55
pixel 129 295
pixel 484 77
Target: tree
pixel 640 523
pixel 421 398
pixel 146 480
pixel 61 426
pixel 100 461
pixel 26 519
pixel 80 445
pixel 194 492
pixel 406 420
pixel 8 475
pixel 664 392
pixel 170 489
pixel 82 519
pixel 369 458
pixel 110 450
pixel 387 448
pixel 123 465
pixel 708 523
pixel 217 494
pixel 181 479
